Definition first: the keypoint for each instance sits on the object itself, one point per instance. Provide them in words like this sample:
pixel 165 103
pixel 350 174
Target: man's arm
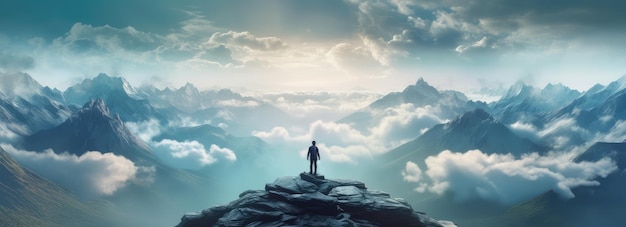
pixel 318 154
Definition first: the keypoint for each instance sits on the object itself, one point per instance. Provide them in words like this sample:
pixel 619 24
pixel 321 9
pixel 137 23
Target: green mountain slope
pixel 27 199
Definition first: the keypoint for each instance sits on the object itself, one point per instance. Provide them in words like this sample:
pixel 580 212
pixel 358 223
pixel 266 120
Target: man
pixel 314 155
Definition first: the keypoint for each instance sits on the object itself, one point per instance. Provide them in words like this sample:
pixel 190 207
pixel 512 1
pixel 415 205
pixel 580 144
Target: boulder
pixel 312 200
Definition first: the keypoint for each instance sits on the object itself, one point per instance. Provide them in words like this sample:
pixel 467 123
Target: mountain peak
pixel 421 91
pixel 475 116
pixel 312 200
pixel 18 84
pixel 189 88
pixel 421 81
pixel 92 128
pixel 519 89
pixel 97 104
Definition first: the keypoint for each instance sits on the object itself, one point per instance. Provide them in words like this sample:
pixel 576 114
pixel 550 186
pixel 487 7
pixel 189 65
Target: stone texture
pixel 312 200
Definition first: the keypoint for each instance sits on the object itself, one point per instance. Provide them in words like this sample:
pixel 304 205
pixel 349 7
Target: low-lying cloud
pixel 562 133
pixel 504 178
pixel 90 175
pixel 326 106
pixel 342 142
pixel 190 154
pixel 13 63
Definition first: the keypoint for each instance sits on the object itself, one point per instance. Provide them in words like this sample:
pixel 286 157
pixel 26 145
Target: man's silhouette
pixel 313 155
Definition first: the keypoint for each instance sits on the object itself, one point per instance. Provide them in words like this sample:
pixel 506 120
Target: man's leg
pixel 311 167
pixel 315 169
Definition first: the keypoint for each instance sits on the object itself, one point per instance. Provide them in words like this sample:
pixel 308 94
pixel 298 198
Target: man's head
pixel 313 142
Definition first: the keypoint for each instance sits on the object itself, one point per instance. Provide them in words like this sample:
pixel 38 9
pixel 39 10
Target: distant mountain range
pixel 470 131
pixel 93 116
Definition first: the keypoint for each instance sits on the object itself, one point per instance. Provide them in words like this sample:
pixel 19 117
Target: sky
pixel 323 45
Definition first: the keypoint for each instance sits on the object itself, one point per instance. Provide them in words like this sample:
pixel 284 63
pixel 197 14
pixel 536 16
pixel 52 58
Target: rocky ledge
pixel 311 200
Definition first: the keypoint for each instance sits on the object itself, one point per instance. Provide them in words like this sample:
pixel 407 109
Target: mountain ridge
pixel 27 199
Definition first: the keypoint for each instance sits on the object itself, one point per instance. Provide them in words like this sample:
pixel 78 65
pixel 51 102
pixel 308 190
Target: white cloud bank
pixel 504 178
pixel 89 175
pixel 190 154
pixel 344 143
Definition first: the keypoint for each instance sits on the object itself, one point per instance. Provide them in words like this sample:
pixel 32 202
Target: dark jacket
pixel 313 153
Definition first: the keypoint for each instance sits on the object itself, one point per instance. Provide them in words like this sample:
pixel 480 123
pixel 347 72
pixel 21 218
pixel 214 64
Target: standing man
pixel 314 155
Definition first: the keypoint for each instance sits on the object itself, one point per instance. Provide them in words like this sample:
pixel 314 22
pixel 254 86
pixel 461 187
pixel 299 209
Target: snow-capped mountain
pixel 26 106
pixel 419 94
pixel 96 128
pixel 92 128
pixel 189 98
pixel 524 103
pixel 101 86
pixel 445 104
pixel 597 112
pixel 473 130
pixel 223 107
pixel 121 97
pixel 594 97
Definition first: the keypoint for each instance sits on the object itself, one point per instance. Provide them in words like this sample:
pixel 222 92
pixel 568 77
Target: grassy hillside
pixel 27 199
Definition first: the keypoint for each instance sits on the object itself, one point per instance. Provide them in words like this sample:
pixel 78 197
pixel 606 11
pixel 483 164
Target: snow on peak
pixel 98 105
pixel 19 84
pixel 114 83
pixel 475 116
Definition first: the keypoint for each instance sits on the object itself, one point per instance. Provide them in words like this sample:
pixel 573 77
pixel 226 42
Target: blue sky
pixel 279 45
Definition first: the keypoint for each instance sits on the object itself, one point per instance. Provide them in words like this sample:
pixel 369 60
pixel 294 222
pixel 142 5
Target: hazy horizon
pixel 377 46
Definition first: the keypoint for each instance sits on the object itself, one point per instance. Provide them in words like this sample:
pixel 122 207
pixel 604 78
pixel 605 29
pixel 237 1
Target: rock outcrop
pixel 311 200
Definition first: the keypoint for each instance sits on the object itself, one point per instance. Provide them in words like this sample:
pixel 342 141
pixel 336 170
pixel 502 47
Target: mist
pixel 91 175
pixel 502 177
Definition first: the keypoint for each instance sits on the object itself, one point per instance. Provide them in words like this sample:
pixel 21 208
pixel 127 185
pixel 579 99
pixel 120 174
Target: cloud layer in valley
pixel 90 175
pixel 189 154
pixel 502 177
pixel 343 143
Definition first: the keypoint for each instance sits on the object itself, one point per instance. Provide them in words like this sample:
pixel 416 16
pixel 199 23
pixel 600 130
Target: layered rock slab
pixel 312 200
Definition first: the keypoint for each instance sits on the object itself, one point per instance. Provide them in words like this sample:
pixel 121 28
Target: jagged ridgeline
pixel 312 200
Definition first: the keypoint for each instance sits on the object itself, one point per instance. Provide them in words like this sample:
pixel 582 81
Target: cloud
pixel 344 143
pixel 412 172
pixel 6 133
pixel 561 133
pixel 506 179
pixel 246 40
pixel 145 130
pixel 190 154
pixel 317 105
pixel 404 122
pixel 237 103
pixel 404 6
pixel 13 63
pixel 90 175
pixel 186 154
pixel 355 60
pixel 616 134
pixel 482 43
pixel 84 38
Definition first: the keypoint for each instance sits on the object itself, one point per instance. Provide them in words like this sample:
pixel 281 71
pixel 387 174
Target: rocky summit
pixel 312 200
